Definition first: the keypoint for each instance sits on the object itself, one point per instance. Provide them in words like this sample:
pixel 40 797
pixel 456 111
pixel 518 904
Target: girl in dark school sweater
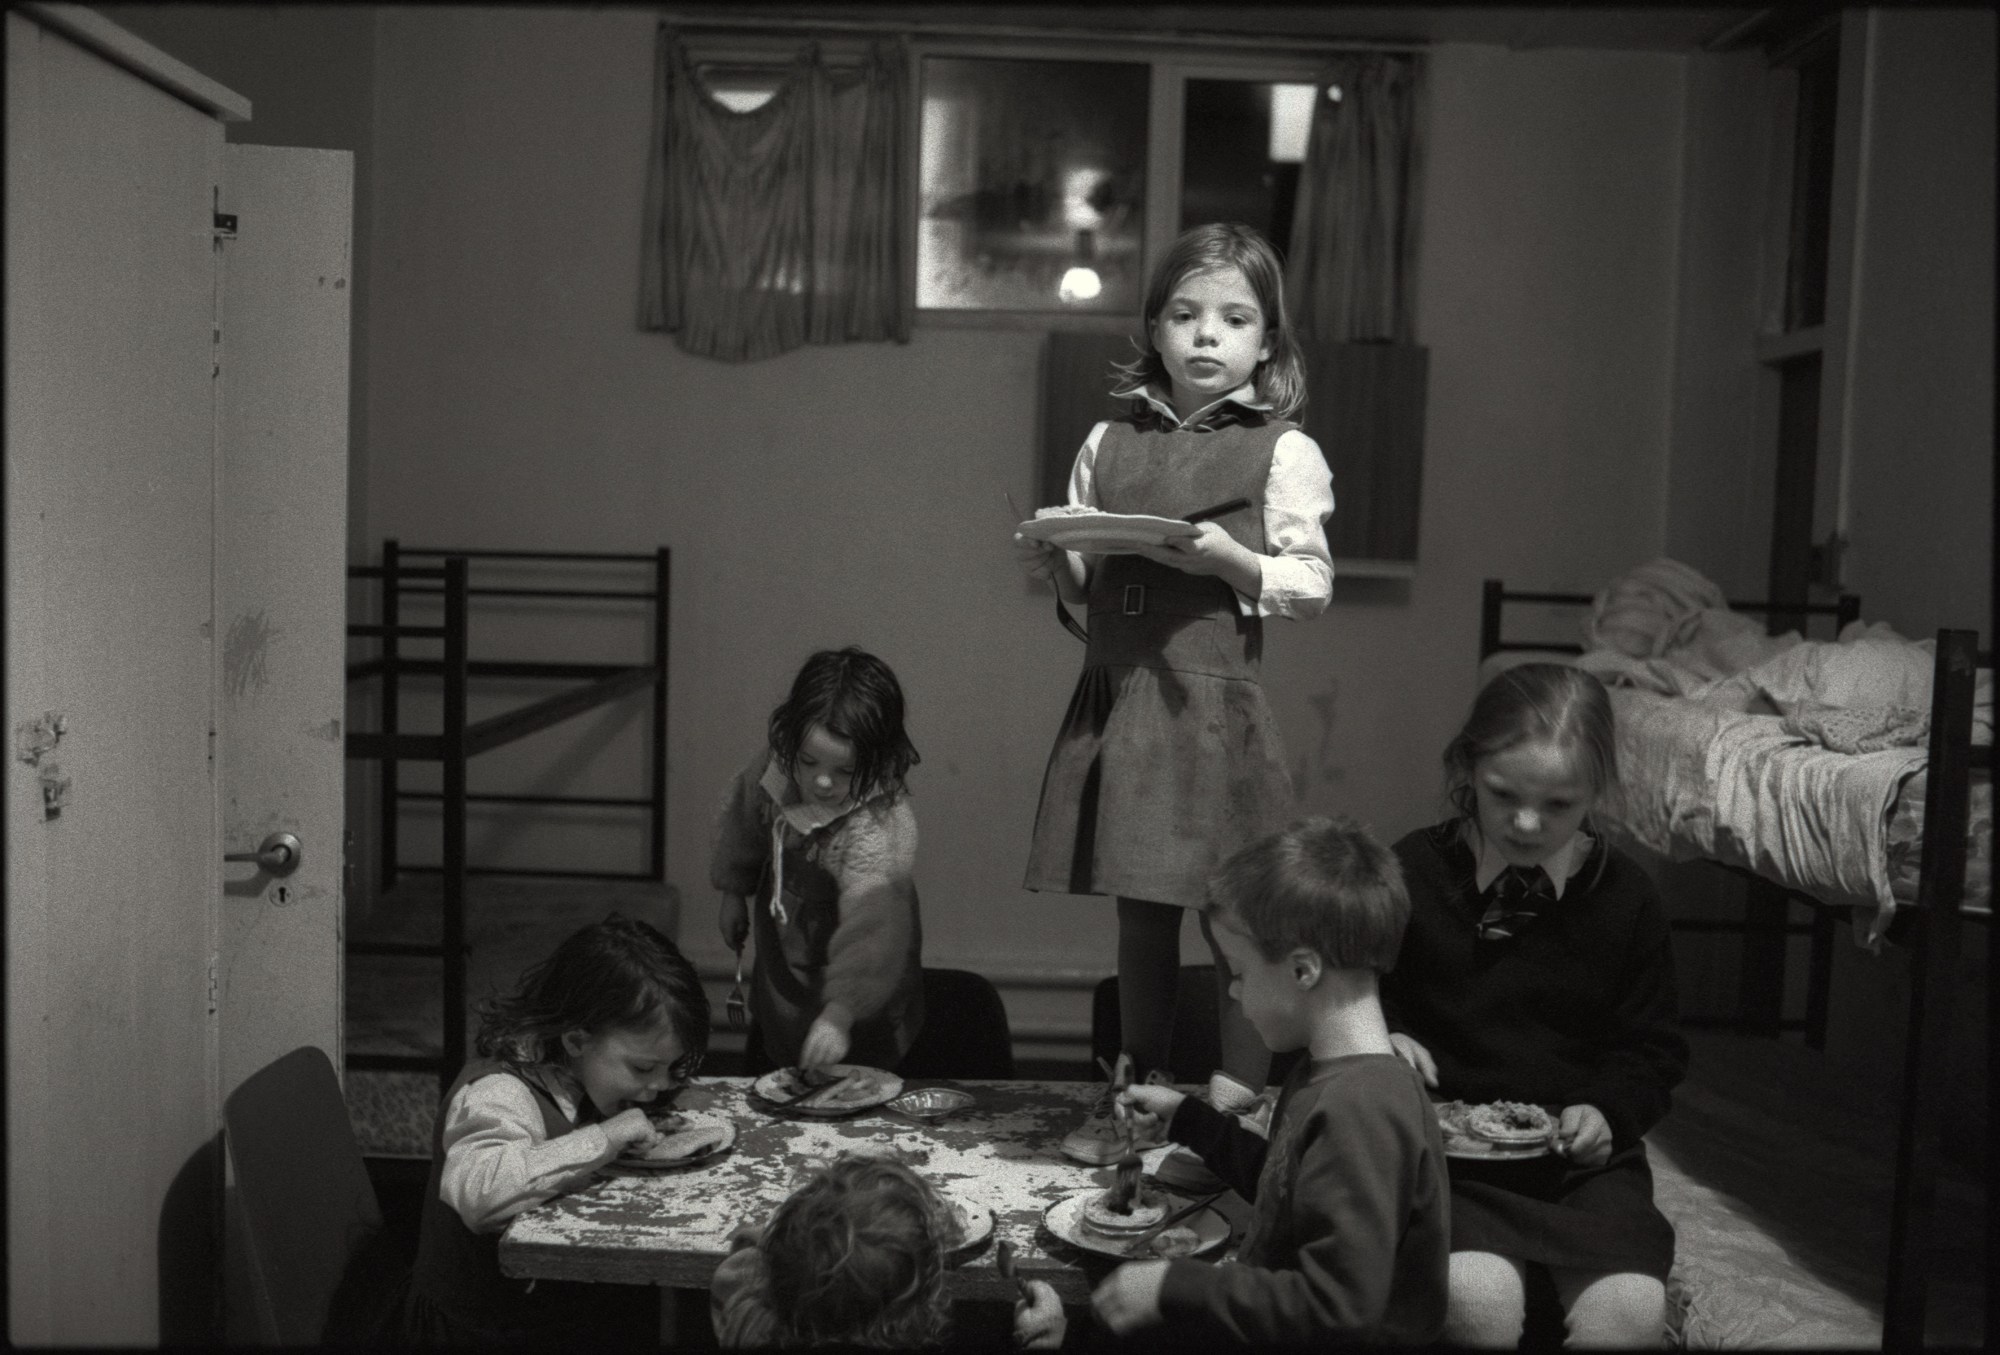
pixel 1536 969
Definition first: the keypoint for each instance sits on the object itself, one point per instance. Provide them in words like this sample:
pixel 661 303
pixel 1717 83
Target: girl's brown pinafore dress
pixel 1168 759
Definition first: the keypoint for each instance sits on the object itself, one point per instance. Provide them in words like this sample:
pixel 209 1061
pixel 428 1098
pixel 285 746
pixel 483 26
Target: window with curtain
pixel 773 224
pixel 1350 280
pixel 1329 167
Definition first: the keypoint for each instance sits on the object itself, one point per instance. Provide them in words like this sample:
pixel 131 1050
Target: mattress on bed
pixel 1906 842
pixel 1698 779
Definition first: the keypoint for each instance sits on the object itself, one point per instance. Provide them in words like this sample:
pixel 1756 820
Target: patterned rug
pixel 1776 1174
pixel 394 1003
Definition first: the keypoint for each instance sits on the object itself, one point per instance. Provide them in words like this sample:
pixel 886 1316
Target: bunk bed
pixel 421 909
pixel 1932 790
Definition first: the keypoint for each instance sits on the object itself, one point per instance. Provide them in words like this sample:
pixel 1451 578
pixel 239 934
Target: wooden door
pixel 281 544
pixel 112 881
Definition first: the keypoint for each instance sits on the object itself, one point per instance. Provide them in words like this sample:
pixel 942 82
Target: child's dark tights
pixel 1149 964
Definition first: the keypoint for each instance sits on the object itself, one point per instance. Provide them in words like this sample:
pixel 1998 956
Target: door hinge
pixel 225 225
pixel 214 986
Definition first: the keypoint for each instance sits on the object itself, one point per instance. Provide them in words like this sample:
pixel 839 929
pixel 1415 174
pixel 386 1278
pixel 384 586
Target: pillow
pixel 1649 609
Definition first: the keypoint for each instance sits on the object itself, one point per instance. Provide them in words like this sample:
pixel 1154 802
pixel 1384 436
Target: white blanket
pixel 1701 780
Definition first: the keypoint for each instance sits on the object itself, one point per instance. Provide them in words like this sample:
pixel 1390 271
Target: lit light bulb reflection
pixel 1080 284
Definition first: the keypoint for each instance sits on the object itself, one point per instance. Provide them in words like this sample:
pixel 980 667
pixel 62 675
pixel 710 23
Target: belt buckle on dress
pixel 1135 599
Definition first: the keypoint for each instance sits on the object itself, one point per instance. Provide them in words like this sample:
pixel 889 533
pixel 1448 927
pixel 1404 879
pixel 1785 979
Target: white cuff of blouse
pixel 497 1162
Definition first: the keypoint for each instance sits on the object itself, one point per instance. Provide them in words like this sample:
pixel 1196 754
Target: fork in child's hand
pixel 738 1009
pixel 1003 1257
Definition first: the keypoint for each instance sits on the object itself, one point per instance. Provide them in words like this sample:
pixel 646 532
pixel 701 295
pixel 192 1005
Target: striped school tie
pixel 1514 898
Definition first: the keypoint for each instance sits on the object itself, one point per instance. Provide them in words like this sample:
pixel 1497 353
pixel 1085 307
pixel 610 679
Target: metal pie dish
pixel 932 1103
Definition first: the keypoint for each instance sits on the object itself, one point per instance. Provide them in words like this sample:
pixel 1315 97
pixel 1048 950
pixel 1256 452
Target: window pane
pixel 1241 153
pixel 1032 187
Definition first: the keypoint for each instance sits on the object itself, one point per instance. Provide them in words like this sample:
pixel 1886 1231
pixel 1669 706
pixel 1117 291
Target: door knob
pixel 278 854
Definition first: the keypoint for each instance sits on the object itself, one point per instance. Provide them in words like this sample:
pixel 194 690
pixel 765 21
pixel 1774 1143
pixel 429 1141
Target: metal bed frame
pixel 587 686
pixel 1931 929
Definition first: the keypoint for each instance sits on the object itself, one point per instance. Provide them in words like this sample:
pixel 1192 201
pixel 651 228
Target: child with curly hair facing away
pixel 567 1065
pixel 1348 1238
pixel 814 853
pixel 855 1256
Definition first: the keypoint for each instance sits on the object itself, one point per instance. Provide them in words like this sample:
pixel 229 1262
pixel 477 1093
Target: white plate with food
pixel 1495 1131
pixel 1086 529
pixel 1080 1220
pixel 837 1089
pixel 692 1137
pixel 972 1224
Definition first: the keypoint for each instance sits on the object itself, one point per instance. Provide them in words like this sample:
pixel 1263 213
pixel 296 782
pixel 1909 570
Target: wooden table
pixel 672 1228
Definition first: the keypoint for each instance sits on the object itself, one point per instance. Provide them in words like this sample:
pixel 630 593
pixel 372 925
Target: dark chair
pixel 310 1217
pixel 1195 1050
pixel 965 1032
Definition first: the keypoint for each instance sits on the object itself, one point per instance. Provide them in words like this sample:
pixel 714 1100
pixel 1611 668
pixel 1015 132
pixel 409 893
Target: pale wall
pixel 309 74
pixel 854 494
pixel 1920 413
pixel 1723 460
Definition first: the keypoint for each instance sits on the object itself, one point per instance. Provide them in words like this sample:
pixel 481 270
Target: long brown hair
pixel 855 696
pixel 1533 701
pixel 1280 378
pixel 621 973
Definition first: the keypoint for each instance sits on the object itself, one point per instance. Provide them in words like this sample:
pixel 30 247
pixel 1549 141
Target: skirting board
pixel 1048 1009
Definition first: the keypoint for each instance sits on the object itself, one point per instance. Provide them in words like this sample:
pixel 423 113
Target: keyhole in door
pixel 281 894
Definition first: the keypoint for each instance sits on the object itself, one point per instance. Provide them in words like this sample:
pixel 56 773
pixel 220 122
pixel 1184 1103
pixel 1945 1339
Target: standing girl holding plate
pixel 1168 759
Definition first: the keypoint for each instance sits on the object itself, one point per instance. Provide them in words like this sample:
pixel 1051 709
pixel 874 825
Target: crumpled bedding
pixel 1700 780
pixel 1799 760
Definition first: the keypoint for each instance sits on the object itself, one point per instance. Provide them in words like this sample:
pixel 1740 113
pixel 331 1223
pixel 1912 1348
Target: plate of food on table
pixel 689 1138
pixel 1131 1219
pixel 836 1089
pixel 1079 528
pixel 1496 1131
pixel 971 1224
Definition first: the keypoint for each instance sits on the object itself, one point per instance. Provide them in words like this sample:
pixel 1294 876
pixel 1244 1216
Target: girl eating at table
pixel 818 833
pixel 855 1256
pixel 567 1065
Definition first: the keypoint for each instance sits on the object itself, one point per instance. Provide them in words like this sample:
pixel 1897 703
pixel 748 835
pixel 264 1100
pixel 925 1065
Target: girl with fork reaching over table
pixel 815 853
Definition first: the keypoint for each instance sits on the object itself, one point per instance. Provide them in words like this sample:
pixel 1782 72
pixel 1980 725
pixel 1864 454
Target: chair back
pixel 965 1031
pixel 1195 1050
pixel 307 1205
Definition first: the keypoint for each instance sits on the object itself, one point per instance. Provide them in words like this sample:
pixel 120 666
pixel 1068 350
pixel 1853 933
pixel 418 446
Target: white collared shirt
pixel 1562 864
pixel 498 1159
pixel 1296 575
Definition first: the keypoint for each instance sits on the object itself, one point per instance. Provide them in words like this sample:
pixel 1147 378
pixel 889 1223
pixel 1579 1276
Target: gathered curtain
pixel 1350 268
pixel 781 226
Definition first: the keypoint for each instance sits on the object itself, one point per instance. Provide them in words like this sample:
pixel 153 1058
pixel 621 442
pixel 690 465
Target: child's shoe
pixel 1100 1139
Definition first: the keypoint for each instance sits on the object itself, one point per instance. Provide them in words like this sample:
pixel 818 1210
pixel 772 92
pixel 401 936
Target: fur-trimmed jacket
pixel 833 910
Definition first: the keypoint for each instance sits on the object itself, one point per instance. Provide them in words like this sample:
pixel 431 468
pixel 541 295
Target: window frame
pixel 1169 70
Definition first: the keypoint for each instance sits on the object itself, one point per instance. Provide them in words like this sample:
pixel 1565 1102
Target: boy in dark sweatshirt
pixel 1349 1238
